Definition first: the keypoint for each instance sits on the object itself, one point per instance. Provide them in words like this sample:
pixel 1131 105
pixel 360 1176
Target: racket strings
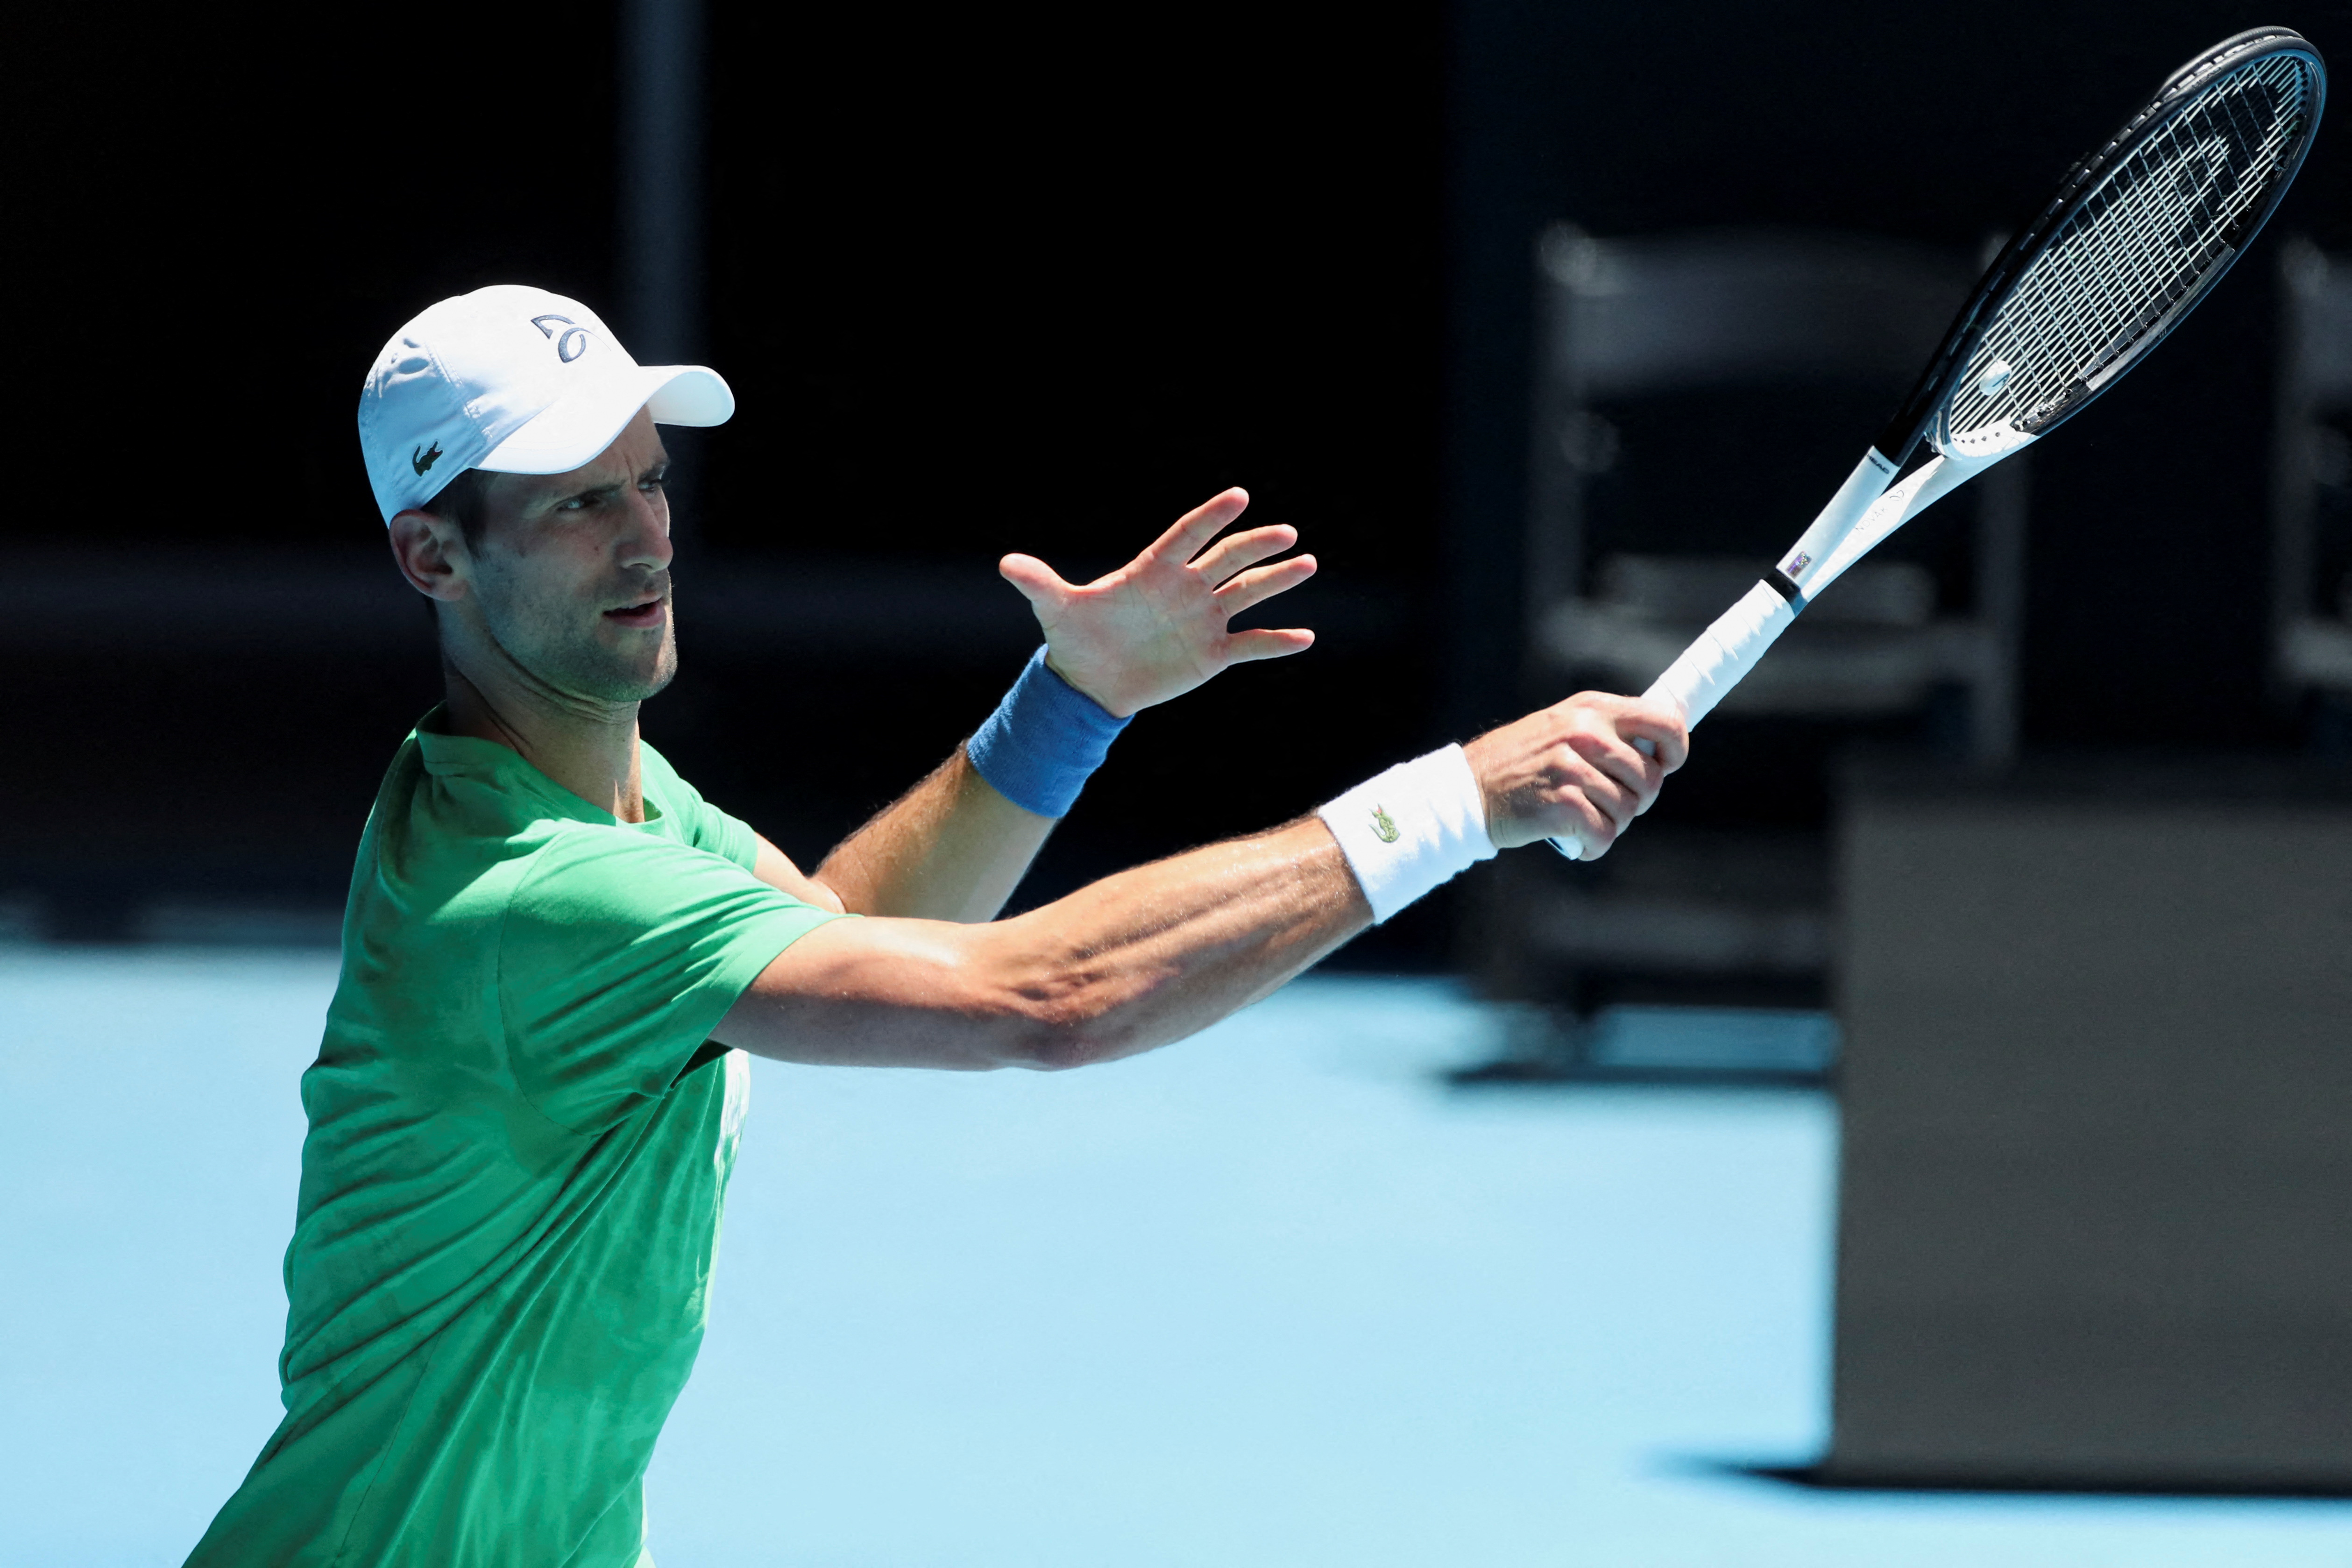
pixel 2137 248
pixel 2140 243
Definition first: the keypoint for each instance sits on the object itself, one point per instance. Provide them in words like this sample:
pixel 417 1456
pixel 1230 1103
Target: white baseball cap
pixel 515 379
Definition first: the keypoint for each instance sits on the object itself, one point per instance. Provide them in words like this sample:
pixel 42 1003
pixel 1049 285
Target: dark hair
pixel 464 501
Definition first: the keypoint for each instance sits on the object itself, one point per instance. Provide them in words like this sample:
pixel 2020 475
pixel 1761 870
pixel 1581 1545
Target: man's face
pixel 573 575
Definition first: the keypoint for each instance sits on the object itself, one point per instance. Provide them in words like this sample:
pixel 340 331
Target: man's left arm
pixel 951 848
pixel 954 847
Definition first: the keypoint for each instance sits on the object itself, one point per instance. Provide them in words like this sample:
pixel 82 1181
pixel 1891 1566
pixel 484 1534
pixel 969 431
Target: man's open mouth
pixel 643 614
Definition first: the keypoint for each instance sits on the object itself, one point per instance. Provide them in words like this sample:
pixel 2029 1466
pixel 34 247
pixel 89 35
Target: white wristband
pixel 1405 831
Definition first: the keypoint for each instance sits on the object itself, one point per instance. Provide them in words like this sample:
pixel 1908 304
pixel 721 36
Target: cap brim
pixel 570 432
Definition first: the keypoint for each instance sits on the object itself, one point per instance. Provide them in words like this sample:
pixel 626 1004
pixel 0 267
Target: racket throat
pixel 1794 577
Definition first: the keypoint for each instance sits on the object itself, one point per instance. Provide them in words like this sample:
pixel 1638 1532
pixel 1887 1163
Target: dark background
pixel 986 282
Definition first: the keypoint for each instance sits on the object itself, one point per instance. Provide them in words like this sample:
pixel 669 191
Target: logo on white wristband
pixel 1418 825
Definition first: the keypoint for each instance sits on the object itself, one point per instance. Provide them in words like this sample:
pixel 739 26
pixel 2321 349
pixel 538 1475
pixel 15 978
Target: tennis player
pixel 526 1104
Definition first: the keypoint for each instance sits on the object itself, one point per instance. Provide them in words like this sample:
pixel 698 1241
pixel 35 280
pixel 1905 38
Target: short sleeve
pixel 619 953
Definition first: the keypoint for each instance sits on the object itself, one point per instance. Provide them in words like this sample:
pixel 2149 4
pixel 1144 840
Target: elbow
pixel 1053 1007
pixel 1054 1033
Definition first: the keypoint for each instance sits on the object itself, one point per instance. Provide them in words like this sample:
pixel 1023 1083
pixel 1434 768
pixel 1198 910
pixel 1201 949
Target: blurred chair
pixel 1788 333
pixel 2311 485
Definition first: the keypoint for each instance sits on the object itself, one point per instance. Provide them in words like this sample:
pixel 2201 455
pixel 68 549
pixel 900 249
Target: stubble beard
pixel 562 652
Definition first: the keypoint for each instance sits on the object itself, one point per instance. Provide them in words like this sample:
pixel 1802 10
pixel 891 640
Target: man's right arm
pixel 1156 953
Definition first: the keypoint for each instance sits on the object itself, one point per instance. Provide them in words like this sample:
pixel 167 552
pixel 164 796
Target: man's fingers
pixel 1614 757
pixel 1235 551
pixel 1196 528
pixel 1657 723
pixel 1261 584
pixel 1038 583
pixel 1595 828
pixel 1614 803
pixel 1243 646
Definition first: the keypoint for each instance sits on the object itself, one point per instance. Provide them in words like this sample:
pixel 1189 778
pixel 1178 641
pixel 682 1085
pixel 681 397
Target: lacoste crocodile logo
pixel 421 461
pixel 1384 827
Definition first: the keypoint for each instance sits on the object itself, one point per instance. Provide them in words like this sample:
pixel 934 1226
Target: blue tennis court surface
pixel 1272 1297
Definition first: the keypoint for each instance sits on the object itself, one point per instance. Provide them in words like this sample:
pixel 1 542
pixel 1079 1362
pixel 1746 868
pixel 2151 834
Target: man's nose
pixel 646 542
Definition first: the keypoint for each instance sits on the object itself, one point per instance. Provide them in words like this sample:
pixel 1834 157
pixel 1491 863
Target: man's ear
pixel 431 553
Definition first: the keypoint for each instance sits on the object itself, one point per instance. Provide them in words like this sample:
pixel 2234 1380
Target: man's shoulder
pixel 449 840
pixel 560 848
pixel 465 837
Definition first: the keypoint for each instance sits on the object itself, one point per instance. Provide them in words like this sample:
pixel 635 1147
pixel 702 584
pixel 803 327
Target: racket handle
pixel 1724 653
pixel 1712 665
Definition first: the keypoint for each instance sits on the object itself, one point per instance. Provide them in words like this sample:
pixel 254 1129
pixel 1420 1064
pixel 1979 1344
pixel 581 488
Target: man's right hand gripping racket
pixel 2136 236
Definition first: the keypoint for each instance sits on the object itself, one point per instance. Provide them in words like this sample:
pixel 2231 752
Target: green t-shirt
pixel 520 1143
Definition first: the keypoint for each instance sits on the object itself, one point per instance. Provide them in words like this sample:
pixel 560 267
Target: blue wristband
pixel 1043 742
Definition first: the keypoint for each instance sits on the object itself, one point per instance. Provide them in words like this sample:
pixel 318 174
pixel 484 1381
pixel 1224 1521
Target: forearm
pixel 1133 961
pixel 951 848
pixel 1151 955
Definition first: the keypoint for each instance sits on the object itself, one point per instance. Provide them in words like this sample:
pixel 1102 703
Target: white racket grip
pixel 1718 661
pixel 1724 654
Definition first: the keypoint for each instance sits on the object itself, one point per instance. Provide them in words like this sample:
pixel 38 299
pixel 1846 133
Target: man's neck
pixel 590 750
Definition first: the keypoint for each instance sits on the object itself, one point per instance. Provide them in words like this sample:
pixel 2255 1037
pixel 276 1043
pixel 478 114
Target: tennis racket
pixel 2137 234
